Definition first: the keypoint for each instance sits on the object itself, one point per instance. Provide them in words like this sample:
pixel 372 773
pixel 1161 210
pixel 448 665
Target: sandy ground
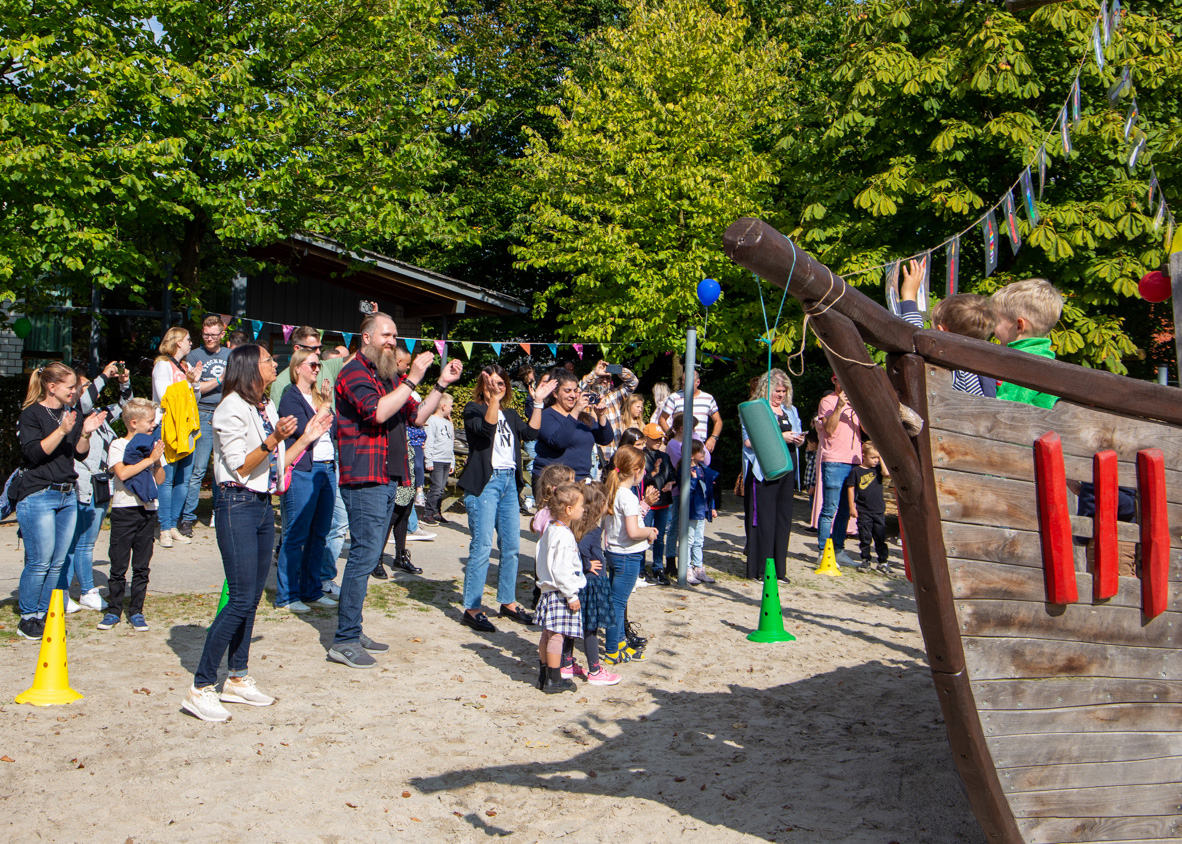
pixel 835 737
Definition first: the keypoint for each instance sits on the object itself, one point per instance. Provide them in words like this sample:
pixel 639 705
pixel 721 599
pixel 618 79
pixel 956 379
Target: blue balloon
pixel 708 291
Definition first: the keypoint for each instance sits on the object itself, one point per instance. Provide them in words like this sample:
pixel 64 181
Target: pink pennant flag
pixel 526 347
pixel 440 346
pixel 226 318
pixel 578 347
pixel 287 329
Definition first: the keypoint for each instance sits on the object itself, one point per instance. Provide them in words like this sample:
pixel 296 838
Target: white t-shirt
pixel 615 528
pixel 504 443
pixel 121 496
pixel 704 407
pixel 323 451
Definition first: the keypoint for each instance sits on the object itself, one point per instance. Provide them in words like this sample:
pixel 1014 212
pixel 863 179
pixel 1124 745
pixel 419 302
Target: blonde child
pixel 596 596
pixel 549 480
pixel 560 576
pixel 439 459
pixel 625 543
pixel 1026 312
pixel 133 515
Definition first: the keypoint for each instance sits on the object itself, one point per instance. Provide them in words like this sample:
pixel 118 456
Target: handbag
pixel 100 484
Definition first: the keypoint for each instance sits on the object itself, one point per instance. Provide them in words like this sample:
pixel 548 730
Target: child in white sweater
pixel 439 459
pixel 560 577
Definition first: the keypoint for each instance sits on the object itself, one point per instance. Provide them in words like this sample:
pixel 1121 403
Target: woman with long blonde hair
pixel 170 367
pixel 51 436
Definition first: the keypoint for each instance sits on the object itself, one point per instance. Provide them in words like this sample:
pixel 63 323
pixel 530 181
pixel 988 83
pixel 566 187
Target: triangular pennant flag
pixel 347 336
pixel 1131 119
pixel 1097 45
pixel 1160 216
pixel 525 346
pixel 553 347
pixel 1012 222
pixel 410 343
pixel 225 318
pixel 287 329
pixel 989 228
pixel 466 345
pixel 1065 130
pixel 1120 86
pixel 1028 198
pixel 1115 15
pixel 1152 186
pixel 257 326
pixel 496 347
pixel 578 347
pixel 953 275
pixel 1138 148
pixel 890 278
pixel 925 284
pixel 1075 104
pixel 440 347
pixel 1105 22
pixel 1042 170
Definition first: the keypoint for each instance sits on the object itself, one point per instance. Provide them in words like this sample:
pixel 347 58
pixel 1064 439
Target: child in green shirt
pixel 1026 312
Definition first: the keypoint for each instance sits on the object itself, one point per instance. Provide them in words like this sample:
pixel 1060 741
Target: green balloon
pixel 22 327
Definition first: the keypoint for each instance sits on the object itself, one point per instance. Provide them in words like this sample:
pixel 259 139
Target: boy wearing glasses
pixel 213 356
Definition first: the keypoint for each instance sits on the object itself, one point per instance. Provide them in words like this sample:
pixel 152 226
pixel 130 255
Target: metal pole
pixel 1163 375
pixel 687 439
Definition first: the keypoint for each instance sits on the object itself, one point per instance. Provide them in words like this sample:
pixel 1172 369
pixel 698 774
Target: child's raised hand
pixel 912 276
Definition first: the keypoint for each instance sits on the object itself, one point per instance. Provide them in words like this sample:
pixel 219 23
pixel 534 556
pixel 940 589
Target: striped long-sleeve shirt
pixel 962 380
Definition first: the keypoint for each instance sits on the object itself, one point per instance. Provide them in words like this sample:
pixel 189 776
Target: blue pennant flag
pixel 257 326
pixel 553 347
pixel 410 343
pixel 496 348
pixel 348 338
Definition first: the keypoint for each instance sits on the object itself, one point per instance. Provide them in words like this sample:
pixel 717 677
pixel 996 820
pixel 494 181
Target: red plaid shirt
pixel 363 441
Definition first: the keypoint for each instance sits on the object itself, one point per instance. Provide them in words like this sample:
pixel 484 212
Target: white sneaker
pixel 298 607
pixel 691 577
pixel 640 584
pixel 71 606
pixel 92 599
pixel 420 535
pixel 330 588
pixel 324 601
pixel 212 520
pixel 244 690
pixel 165 539
pixel 204 704
pixel 420 499
pixel 177 536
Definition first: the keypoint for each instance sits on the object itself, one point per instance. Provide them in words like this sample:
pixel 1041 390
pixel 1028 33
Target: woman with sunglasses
pixel 311 494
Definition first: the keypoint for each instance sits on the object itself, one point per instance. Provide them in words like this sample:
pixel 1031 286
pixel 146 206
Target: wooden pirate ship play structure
pixel 1052 638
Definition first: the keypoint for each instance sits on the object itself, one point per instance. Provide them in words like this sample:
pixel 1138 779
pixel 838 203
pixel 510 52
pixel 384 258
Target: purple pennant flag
pixel 1131 119
pixel 989 227
pixel 1138 148
pixel 1076 100
pixel 1012 222
pixel 953 255
pixel 1097 46
pixel 1028 197
pixel 1066 132
pixel 1042 170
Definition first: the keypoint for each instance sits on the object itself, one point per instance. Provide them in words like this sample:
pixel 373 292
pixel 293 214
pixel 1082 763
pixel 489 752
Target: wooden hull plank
pixel 1130 830
pixel 1029 659
pixel 1108 718
pixel 1020 751
pixel 1105 802
pixel 1091 775
pixel 1072 623
pixel 979 580
pixel 1061 692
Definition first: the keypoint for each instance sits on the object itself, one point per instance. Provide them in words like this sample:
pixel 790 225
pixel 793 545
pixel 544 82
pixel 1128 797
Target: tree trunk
pixel 678 369
pixel 188 276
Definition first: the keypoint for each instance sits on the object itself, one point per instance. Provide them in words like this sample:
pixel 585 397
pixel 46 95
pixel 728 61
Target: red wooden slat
pixel 1155 532
pixel 1106 573
pixel 1054 519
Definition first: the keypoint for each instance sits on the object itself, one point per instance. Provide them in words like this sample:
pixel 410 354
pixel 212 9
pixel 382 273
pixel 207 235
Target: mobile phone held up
pixel 615 369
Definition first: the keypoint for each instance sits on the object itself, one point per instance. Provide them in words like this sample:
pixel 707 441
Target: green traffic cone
pixel 771 618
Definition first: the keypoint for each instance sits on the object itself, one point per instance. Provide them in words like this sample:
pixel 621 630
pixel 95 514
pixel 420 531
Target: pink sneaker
pixel 703 577
pixel 691 577
pixel 574 670
pixel 603 677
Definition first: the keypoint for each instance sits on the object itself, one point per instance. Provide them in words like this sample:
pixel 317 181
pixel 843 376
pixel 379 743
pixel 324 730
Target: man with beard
pixel 374 406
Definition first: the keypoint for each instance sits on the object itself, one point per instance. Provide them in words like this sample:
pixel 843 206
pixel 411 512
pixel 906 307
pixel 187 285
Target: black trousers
pixel 872 531
pixel 436 486
pixel 398 524
pixel 132 537
pixel 767 509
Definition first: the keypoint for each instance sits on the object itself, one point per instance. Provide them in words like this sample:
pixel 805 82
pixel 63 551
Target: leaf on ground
pixel 6 759
pixel 406 794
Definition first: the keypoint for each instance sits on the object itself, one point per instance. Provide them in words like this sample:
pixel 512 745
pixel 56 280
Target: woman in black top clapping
pixel 51 435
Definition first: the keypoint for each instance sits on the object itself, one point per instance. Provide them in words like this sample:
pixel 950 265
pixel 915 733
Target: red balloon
pixel 1154 287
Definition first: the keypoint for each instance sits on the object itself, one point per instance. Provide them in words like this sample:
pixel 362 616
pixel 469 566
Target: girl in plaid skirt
pixel 560 577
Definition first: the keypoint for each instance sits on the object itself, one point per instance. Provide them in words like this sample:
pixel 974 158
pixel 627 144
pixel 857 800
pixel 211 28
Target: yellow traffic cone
pixel 51 683
pixel 828 561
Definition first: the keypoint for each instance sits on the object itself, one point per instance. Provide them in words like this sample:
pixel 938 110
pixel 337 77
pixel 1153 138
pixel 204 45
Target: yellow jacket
pixel 181 426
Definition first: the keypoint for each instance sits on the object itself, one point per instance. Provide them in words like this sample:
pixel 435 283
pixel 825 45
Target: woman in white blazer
pixel 248 464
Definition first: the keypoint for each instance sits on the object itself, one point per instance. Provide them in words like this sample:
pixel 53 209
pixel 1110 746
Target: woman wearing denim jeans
pixel 625 539
pixel 170 368
pixel 249 459
pixel 491 481
pixel 52 434
pixel 310 500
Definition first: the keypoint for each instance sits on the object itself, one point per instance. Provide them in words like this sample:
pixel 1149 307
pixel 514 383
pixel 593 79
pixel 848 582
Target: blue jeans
pixel 47 520
pixel 246 538
pixel 173 491
pixel 370 507
pixel 531 453
pixel 660 520
pixel 202 449
pixel 336 537
pixel 307 517
pixel 697 538
pixel 80 558
pixel 672 531
pixel 835 507
pixel 623 570
pixel 412 520
pixel 495 509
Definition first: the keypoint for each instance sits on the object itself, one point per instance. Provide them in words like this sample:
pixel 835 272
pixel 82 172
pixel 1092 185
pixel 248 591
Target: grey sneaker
pixel 372 646
pixel 354 656
pixel 844 559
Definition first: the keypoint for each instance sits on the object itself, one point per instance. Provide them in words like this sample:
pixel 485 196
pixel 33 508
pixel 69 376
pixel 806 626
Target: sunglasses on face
pixel 313 366
pixel 308 348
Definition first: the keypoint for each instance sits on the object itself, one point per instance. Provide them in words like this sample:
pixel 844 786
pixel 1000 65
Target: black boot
pixel 555 682
pixel 379 572
pixel 541 684
pixel 403 562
